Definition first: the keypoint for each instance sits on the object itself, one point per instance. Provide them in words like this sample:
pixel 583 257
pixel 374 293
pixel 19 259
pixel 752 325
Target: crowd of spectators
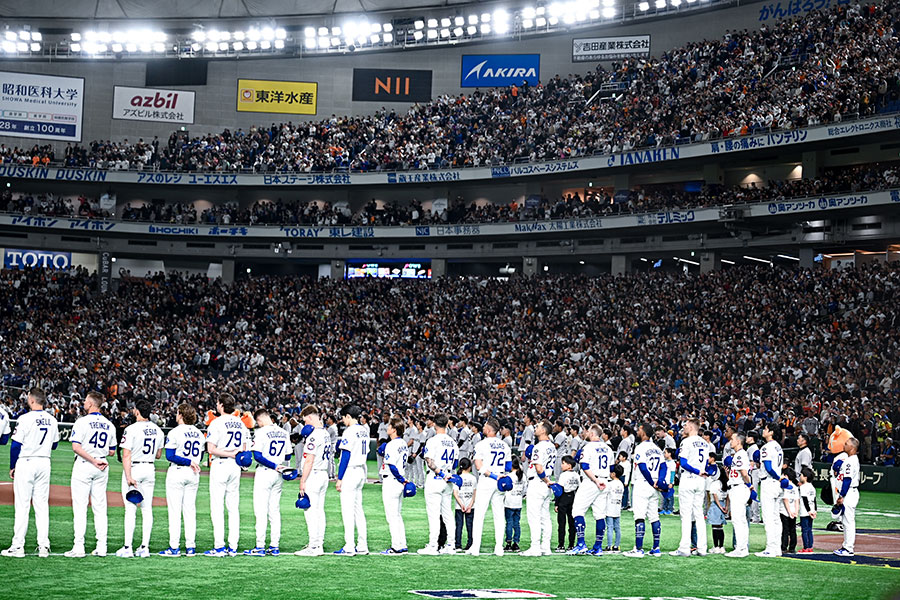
pixel 808 349
pixel 821 67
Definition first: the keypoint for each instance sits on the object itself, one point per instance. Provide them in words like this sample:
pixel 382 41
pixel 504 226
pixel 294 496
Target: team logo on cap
pixel 484 593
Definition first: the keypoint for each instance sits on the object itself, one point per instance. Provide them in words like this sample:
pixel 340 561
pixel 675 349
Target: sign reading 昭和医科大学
pixel 500 70
pixel 610 48
pixel 43 107
pixel 16 258
pixel 285 97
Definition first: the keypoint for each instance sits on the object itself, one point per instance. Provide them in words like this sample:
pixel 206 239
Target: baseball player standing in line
pixel 493 459
pixel 753 453
pixel 596 460
pixel 740 490
pixel 847 496
pixel 441 454
pixel 317 453
pixel 396 453
pixel 184 450
pixel 4 425
pixel 537 511
pixel 332 430
pixel 692 489
pixel 142 443
pixel 226 436
pixel 93 440
pixel 771 457
pixel 354 449
pixel 36 435
pixel 271 448
pixel 651 476
pixel 383 438
pixel 527 435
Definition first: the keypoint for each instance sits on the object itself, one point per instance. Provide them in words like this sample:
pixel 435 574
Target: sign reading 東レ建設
pixel 285 97
pixel 391 85
pixel 151 104
pixel 41 106
pixel 610 48
pixel 500 70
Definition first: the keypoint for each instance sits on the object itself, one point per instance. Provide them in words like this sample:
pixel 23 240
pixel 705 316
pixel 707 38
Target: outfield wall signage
pixel 391 85
pixel 14 258
pixel 152 104
pixel 283 97
pixel 41 106
pixel 500 70
pixel 610 48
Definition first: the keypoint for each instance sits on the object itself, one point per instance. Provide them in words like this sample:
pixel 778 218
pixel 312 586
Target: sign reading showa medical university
pixel 41 106
pixel 500 70
pixel 151 104
pixel 610 48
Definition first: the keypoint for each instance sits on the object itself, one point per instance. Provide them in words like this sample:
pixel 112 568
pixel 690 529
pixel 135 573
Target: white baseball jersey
pixel 37 431
pixel 849 470
pixel 273 443
pixel 95 434
pixel 543 453
pixel 355 441
pixel 443 451
pixel 599 458
pixel 467 489
pixel 773 453
pixel 143 439
pixel 228 433
pixel 751 450
pixel 527 438
pixel 4 422
pixel 648 453
pixel 695 450
pixel 318 445
pixel 395 453
pixel 739 462
pixel 836 478
pixel 187 442
pixel 493 454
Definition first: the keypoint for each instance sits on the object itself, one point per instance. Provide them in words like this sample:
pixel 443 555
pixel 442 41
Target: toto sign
pixel 23 259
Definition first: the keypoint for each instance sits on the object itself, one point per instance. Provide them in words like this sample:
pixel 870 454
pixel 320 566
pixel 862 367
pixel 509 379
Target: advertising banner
pixel 15 258
pixel 500 70
pixel 391 85
pixel 610 48
pixel 104 272
pixel 284 97
pixel 152 104
pixel 41 106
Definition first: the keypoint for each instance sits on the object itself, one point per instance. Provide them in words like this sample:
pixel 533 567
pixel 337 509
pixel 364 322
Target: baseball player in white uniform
pixel 142 443
pixel 543 461
pixel 650 479
pixel 225 437
pixel 271 449
pixel 527 438
pixel 493 459
pixel 739 491
pixel 354 448
pixel 847 495
pixel 396 453
pixel 693 458
pixel 753 453
pixel 771 458
pixel 93 440
pixel 184 451
pixel 596 460
pixel 332 429
pixel 317 452
pixel 4 426
pixel 382 437
pixel 441 455
pixel 36 435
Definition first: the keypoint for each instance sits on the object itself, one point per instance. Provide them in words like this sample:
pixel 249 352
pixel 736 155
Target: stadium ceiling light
pixel 471 30
pixel 458 32
pixel 100 48
pixel 675 3
pixel 254 34
pixel 485 29
pixel 388 38
pixel 540 22
pixel 361 41
pixel 445 33
pixel 375 27
pixel 432 34
pixel 280 33
pixel 556 9
pixel 473 19
pixel 528 12
pixel 265 45
pixel 501 27
pixel 25 36
pixel 594 14
pixel 238 46
pixel 213 35
pixel 786 257
pixel 309 32
pixel 268 33
pixel 146 47
pixel 335 31
pixel 323 31
pixel 195 47
pixel 335 41
pixel 225 36
pixel 374 38
pixel 36 36
pixel 199 36
pixel 9 46
pixel 445 22
pixel 76 37
pixel 279 44
pixel 432 23
pixel 644 259
pixel 239 36
pixel 251 45
pixel 223 46
pixel 35 47
pixel 211 46
pixel 553 21
pixel 569 18
pixel 388 27
pixel 527 23
pixel 310 43
pixel 323 42
pixel 418 36
pixel 762 260
pixel 727 262
pixel 117 47
pixel 118 37
pixel 609 12
pixel 644 6
pixel 75 47
pixel 580 262
pixel 419 24
pixel 459 21
pixel 660 3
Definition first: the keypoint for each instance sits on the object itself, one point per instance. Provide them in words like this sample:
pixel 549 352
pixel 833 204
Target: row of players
pixel 229 445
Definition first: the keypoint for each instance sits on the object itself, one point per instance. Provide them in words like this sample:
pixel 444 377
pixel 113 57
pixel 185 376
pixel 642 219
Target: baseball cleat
pixel 473 552
pixel 595 551
pixel 428 551
pixel 531 552
pixel 257 551
pixel 75 553
pixel 391 552
pixel 99 552
pixel 217 552
pixel 170 552
pixel 679 553
pixel 310 551
pixel 843 552
pixel 14 552
pixel 362 551
pixel 767 554
pixel 231 551
pixel 125 552
pixel 273 551
pixel 655 553
pixel 737 554
pixel 142 552
pixel 578 549
pixel 190 552
pixel 634 553
pixel 343 552
pixel 43 552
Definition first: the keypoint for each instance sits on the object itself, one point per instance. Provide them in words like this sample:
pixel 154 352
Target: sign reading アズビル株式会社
pixel 152 104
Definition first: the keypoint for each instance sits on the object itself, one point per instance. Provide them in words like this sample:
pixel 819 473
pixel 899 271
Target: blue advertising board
pixel 500 70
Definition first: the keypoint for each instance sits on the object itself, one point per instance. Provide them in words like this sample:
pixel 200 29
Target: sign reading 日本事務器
pixel 41 106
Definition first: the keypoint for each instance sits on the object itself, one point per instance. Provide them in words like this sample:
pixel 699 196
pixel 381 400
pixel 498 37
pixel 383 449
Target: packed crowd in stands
pixel 809 349
pixel 594 203
pixel 819 68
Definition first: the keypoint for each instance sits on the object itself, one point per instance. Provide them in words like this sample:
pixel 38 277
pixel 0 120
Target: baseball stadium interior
pixel 388 296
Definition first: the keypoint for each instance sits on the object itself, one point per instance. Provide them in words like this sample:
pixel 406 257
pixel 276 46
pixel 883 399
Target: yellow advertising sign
pixel 289 97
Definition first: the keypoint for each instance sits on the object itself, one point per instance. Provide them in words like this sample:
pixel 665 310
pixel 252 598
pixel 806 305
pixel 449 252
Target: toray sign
pixel 27 259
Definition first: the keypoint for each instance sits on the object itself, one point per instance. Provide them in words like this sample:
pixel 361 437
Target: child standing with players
pixel 464 496
pixel 807 508
pixel 616 490
pixel 512 503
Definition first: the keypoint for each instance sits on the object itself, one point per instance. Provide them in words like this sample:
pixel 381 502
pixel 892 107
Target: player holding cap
pixel 396 453
pixel 441 455
pixel 543 461
pixel 36 435
pixel 740 488
pixel 93 440
pixel 184 449
pixel 271 448
pixel 596 459
pixel 693 458
pixel 142 443
pixel 649 479
pixel 493 459
pixel 226 436
pixel 771 458
pixel 354 448
pixel 847 496
pixel 317 453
